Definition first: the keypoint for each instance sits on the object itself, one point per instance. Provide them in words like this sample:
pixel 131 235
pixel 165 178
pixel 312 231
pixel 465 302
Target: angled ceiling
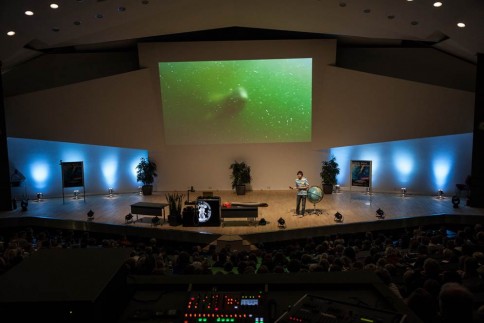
pixel 79 25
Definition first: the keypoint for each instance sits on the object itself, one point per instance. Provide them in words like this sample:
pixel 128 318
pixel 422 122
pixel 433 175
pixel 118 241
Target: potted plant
pixel 146 173
pixel 240 176
pixel 175 202
pixel 329 170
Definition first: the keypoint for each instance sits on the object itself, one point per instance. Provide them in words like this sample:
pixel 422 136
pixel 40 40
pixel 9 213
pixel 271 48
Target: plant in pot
pixel 240 176
pixel 329 171
pixel 146 173
pixel 175 202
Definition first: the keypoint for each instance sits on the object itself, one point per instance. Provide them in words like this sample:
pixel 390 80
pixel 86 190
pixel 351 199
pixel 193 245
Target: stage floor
pixel 358 210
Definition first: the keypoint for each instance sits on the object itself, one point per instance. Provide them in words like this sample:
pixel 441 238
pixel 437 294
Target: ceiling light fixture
pixel 54 5
pixel 414 23
pixel 437 4
pixel 29 13
pixel 99 16
pixel 461 24
pixel 11 33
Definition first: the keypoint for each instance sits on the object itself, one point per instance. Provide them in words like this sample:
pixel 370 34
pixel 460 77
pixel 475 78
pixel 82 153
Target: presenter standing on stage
pixel 302 186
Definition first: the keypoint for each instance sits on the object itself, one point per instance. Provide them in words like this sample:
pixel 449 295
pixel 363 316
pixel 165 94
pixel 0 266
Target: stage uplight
pixel 39 197
pixel 338 217
pixel 337 188
pixel 440 194
pixel 76 194
pixel 380 214
pixel 24 204
pixel 281 223
pixel 110 192
pixel 90 215
pixel 455 201
pixel 403 190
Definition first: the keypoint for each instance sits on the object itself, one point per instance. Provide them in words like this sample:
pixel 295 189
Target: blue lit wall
pixel 104 167
pixel 421 165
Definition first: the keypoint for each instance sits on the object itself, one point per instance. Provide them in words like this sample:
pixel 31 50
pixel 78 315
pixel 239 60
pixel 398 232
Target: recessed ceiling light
pixel 55 29
pixel 342 4
pixel 461 24
pixel 29 13
pixel 99 16
pixel 77 22
pixel 121 9
pixel 54 5
pixel 391 17
pixel 414 23
pixel 437 4
pixel 367 10
pixel 145 2
pixel 11 33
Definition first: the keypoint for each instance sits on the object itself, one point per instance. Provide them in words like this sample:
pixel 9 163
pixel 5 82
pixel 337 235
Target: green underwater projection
pixel 239 101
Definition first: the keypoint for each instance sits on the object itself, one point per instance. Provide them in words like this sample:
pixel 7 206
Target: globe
pixel 315 194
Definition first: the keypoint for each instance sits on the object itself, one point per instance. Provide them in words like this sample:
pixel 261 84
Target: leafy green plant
pixel 329 171
pixel 240 174
pixel 146 171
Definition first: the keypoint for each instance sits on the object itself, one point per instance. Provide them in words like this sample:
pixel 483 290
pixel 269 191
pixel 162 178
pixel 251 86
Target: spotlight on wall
pixel 455 201
pixel 281 223
pixel 338 217
pixel 39 197
pixel 24 204
pixel 440 193
pixel 380 214
pixel 403 190
pixel 128 217
pixel 76 194
pixel 110 192
pixel 90 215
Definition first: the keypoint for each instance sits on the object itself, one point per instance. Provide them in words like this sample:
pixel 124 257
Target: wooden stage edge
pixel 358 210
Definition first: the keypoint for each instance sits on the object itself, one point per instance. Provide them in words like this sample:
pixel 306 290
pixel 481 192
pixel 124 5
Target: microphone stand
pixel 188 202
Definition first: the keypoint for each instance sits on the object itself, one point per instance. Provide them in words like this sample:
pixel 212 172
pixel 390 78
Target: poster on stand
pixel 361 173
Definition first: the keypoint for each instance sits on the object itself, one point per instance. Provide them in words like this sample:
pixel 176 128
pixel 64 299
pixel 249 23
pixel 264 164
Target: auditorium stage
pixel 358 210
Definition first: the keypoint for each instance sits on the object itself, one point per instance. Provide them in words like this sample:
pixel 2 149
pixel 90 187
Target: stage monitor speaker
pixel 66 285
pixel 208 211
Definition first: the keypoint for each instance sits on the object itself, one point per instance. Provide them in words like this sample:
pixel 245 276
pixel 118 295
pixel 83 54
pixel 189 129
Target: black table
pixel 249 212
pixel 148 208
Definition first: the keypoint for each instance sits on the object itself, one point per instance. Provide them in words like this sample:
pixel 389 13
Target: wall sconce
pixel 380 214
pixel 90 215
pixel 338 217
pixel 110 191
pixel 337 189
pixel 140 190
pixel 76 194
pixel 404 191
pixel 281 223
pixel 440 192
pixel 39 197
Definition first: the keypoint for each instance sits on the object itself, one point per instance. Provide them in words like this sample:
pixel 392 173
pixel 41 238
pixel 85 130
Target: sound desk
pixel 227 307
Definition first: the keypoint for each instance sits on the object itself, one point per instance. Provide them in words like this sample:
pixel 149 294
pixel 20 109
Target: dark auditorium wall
pixel 477 182
pixel 5 194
